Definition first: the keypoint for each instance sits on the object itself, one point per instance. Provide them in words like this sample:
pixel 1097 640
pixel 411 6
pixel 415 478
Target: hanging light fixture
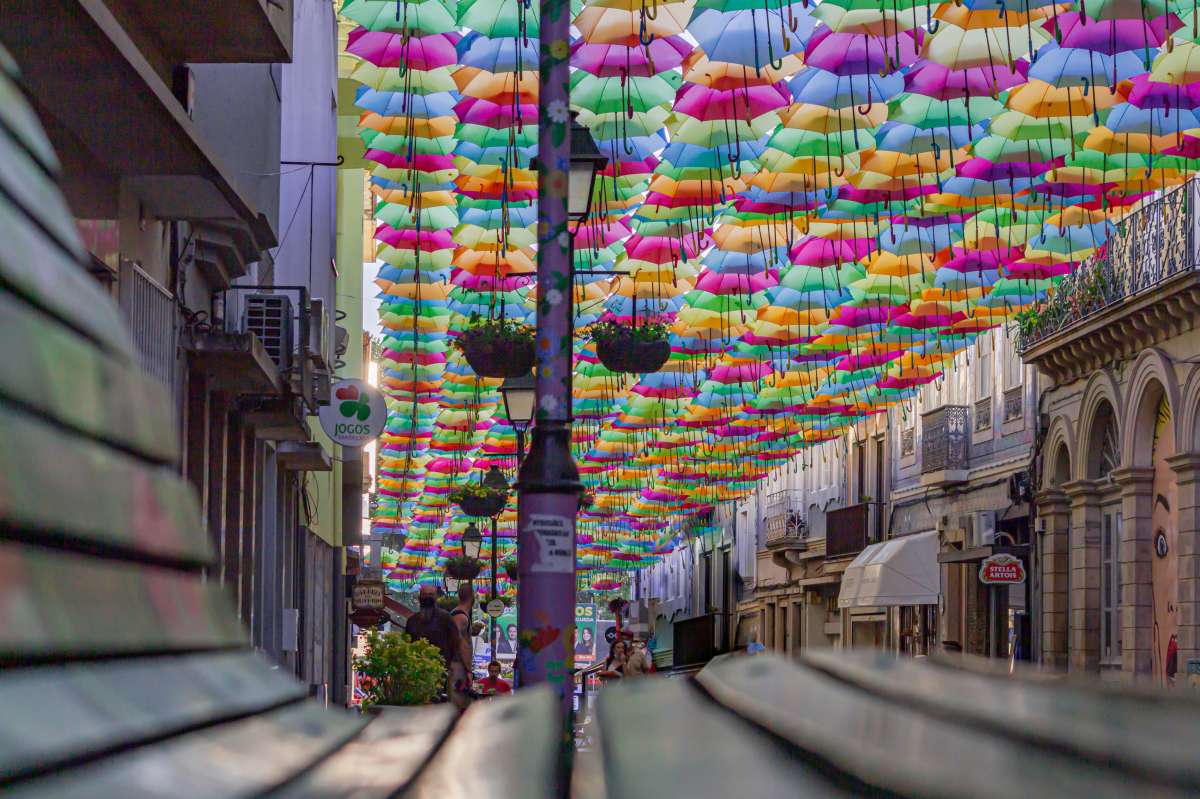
pixel 472 541
pixel 586 163
pixel 519 397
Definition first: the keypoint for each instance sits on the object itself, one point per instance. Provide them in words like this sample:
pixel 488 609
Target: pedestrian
pixel 614 666
pixel 494 684
pixel 434 625
pixel 638 661
pixel 461 669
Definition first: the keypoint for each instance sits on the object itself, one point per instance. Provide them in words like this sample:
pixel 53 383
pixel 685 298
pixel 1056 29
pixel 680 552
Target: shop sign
pixel 495 608
pixel 357 414
pixel 1002 570
pixel 368 595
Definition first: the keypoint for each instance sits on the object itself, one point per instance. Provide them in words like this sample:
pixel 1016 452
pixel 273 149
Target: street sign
pixel 357 414
pixel 368 595
pixel 1002 570
pixel 495 608
pixel 367 617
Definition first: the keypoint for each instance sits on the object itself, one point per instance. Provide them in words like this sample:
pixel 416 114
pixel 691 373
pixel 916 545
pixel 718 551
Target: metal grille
pixel 1153 243
pixel 944 440
pixel 153 321
pixel 269 316
pixel 1014 403
pixel 983 414
pixel 846 530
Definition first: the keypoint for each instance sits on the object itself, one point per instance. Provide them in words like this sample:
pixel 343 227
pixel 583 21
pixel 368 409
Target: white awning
pixel 903 571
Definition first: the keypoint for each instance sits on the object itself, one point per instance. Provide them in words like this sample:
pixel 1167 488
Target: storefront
pixel 889 595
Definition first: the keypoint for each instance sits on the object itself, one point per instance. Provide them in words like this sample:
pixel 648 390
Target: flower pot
pixel 495 357
pixel 483 505
pixel 511 570
pixel 463 571
pixel 625 353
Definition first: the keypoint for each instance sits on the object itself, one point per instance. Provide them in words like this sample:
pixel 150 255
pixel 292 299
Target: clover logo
pixel 353 403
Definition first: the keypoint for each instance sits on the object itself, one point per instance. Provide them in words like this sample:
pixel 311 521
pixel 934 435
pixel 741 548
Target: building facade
pixel 1117 486
pixel 173 126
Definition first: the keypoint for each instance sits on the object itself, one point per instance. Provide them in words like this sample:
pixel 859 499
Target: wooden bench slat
pixel 17 115
pixel 81 709
pixel 247 757
pixel 879 741
pixel 382 759
pixel 506 747
pixel 113 498
pixel 662 737
pixel 46 276
pixel 1154 732
pixel 65 376
pixel 56 604
pixel 32 190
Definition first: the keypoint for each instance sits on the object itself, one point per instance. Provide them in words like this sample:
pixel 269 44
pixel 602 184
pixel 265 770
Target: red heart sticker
pixel 347 393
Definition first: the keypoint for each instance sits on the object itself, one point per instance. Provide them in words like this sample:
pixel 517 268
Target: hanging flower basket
pixel 463 568
pixel 479 500
pixel 510 568
pixel 497 347
pixel 631 350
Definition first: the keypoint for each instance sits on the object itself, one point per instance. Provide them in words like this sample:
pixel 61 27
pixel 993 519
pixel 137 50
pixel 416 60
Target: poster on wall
pixel 585 635
pixel 590 640
pixel 1164 563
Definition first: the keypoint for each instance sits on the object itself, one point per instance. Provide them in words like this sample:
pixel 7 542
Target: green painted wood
pixel 19 118
pixel 1145 732
pixel 44 275
pixel 31 189
pixel 380 761
pixel 65 376
pixel 896 745
pixel 500 748
pixel 241 758
pixel 112 498
pixel 56 604
pixel 62 713
pixel 662 737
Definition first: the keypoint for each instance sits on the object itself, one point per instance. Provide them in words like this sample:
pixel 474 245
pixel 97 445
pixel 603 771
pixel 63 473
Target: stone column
pixel 1083 631
pixel 1136 612
pixel 1187 471
pixel 1054 514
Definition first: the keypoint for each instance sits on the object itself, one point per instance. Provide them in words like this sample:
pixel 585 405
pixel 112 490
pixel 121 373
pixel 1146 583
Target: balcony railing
pixel 944 440
pixel 848 530
pixel 784 517
pixel 1150 245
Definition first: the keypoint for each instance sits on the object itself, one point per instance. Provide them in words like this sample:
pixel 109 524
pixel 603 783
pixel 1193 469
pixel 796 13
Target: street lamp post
pixel 548 486
pixel 494 480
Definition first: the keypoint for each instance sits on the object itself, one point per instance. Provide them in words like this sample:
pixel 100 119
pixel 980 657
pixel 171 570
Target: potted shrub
pixel 510 568
pixel 447 602
pixel 586 500
pixel 497 347
pixel 632 350
pixel 400 671
pixel 476 499
pixel 462 567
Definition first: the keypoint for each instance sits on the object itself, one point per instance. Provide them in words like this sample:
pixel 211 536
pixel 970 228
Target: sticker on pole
pixel 555 545
pixel 357 414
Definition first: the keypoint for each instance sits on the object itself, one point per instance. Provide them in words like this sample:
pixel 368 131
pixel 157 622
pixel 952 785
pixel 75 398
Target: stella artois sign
pixel 1002 570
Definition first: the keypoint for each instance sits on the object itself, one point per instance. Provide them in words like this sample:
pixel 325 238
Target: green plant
pixel 510 568
pixel 462 567
pixel 586 500
pixel 649 330
pixel 447 602
pixel 399 670
pixel 470 490
pixel 505 600
pixel 505 329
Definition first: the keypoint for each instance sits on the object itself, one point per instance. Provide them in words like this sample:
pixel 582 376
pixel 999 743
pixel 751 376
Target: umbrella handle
pixel 1086 85
pixel 934 25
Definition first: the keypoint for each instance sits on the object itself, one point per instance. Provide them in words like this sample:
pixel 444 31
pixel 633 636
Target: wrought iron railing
pixel 944 439
pixel 1150 245
pixel 784 517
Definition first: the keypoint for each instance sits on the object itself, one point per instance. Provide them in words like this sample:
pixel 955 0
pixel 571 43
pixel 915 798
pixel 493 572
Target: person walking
pixel 432 624
pixel 614 666
pixel 461 669
pixel 638 661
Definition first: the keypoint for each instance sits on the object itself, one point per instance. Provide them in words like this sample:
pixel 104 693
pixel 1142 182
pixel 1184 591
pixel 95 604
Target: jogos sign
pixel 357 414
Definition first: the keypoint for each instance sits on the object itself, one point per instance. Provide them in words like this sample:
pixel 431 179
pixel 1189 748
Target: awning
pixel 903 571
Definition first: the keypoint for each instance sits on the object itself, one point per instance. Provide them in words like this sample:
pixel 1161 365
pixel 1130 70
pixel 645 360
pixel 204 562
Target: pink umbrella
pixel 860 53
pixel 749 102
pixel 740 373
pixel 613 60
pixel 385 49
pixel 718 283
pixel 427 240
pixel 477 111
pixel 816 251
pixel 1145 93
pixel 934 80
pixel 1112 36
pixel 852 363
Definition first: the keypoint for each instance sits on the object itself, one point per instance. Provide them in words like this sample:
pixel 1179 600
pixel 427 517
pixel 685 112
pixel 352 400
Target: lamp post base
pixel 547 502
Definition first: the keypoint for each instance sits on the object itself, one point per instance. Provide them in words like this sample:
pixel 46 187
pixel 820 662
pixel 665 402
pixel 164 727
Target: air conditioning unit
pixel 322 386
pixel 983 528
pixel 270 317
pixel 318 332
